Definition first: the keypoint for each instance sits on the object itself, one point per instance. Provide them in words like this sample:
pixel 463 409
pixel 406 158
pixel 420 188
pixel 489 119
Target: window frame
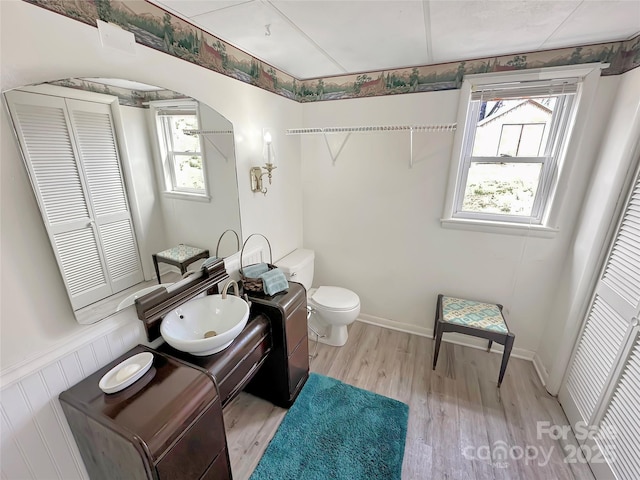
pixel 546 213
pixel 167 153
pixel 549 160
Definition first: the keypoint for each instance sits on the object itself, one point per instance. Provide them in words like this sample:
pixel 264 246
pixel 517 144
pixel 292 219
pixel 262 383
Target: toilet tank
pixel 298 266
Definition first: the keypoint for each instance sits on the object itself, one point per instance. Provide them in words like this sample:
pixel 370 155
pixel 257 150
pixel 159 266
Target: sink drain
pixel 210 333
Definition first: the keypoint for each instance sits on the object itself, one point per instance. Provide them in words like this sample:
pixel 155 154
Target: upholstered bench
pixel 484 320
pixel 181 256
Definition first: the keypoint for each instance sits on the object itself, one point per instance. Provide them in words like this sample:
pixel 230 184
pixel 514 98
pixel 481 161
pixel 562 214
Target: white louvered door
pixel 95 138
pixel 71 157
pixel 605 370
pixel 619 429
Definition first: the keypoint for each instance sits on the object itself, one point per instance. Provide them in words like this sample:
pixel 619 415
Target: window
pixel 521 140
pixel 514 137
pixel 181 151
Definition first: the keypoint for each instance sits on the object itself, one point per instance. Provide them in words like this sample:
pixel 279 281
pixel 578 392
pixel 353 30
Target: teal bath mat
pixel 336 431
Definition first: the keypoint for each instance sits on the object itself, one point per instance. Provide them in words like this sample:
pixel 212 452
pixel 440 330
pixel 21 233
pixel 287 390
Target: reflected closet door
pixel 95 137
pixel 71 156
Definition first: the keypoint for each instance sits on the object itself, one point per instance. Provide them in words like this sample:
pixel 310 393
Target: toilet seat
pixel 334 299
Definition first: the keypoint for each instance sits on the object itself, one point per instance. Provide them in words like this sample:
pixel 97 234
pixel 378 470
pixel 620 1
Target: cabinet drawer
pixel 296 327
pixel 190 457
pixel 298 367
pixel 219 469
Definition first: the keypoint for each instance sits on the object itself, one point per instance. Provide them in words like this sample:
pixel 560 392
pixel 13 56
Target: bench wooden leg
pixel 508 345
pixel 438 339
pixel 155 264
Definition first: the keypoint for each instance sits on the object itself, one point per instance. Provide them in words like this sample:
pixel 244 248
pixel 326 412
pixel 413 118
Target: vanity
pixel 271 355
pixel 169 423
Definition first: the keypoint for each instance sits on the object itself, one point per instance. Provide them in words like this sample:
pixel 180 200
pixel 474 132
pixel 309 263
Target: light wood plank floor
pixel 456 413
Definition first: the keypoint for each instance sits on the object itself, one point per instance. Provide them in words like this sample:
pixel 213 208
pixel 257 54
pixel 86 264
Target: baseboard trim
pixel 393 325
pixel 454 338
pixel 540 370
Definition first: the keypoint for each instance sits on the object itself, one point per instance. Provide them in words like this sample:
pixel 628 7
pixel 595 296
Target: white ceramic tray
pixel 126 372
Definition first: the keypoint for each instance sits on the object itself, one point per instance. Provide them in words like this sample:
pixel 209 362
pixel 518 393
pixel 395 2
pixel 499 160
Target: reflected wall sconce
pixel 256 173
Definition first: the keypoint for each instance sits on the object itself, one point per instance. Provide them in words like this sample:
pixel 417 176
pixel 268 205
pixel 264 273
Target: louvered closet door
pixel 619 432
pixel 596 381
pixel 97 147
pixel 44 134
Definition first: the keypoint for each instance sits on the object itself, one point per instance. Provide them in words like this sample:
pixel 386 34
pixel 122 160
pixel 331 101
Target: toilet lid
pixel 335 298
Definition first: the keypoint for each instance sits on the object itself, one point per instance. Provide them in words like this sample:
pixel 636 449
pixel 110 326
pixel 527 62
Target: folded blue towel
pixel 254 271
pixel 274 281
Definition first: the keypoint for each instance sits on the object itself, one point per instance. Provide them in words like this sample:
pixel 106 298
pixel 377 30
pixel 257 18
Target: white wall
pixel 38 45
pixel 375 223
pixel 141 184
pixel 617 159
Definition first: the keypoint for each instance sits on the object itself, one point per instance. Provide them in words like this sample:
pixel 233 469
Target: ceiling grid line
pixel 194 17
pixel 306 36
pixel 560 25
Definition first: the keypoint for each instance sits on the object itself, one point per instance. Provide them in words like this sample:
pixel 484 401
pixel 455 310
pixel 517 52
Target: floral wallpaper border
pixel 126 96
pixel 158 29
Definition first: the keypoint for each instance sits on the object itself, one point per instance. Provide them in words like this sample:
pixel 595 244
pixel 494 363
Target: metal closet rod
pixel 207 132
pixel 445 127
pixel 204 134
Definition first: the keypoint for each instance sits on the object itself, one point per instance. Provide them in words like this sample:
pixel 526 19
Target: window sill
pixel 504 228
pixel 188 196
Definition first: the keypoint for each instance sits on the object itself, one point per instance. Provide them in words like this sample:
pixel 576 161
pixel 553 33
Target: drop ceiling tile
pixel 191 8
pixel 363 35
pixel 598 21
pixel 475 29
pixel 260 30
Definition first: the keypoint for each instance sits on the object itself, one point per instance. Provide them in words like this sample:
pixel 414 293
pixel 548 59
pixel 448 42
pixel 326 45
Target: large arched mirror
pixel 123 171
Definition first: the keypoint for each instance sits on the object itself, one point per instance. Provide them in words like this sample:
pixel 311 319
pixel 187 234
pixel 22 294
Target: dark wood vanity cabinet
pixel 167 425
pixel 235 366
pixel 286 369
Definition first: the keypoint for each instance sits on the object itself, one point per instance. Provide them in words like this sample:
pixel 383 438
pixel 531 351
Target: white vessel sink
pixel 206 325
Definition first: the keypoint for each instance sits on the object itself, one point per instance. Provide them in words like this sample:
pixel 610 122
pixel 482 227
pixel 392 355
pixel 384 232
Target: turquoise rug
pixel 336 431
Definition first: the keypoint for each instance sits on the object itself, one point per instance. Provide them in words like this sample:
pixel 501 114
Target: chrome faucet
pixel 226 287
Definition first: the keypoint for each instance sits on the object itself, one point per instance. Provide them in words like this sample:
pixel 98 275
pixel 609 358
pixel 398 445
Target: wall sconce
pixel 256 173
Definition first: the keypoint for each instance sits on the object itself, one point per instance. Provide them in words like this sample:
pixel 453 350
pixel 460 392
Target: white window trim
pixel 589 73
pixel 166 169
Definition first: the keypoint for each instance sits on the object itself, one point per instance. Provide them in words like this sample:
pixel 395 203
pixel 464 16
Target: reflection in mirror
pixel 122 171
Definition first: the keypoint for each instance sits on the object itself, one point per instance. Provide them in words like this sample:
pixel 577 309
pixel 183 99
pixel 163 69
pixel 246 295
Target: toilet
pixel 332 308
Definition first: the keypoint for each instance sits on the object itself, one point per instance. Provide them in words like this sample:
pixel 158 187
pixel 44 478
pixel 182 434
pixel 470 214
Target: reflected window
pixel 180 148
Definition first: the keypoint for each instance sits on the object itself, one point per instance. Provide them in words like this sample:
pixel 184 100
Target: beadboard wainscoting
pixel 36 440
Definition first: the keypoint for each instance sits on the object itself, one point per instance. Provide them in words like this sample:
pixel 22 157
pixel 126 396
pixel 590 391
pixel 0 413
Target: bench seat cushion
pixel 469 313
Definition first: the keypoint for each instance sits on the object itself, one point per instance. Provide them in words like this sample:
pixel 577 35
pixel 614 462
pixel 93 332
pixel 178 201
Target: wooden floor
pixel 457 416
